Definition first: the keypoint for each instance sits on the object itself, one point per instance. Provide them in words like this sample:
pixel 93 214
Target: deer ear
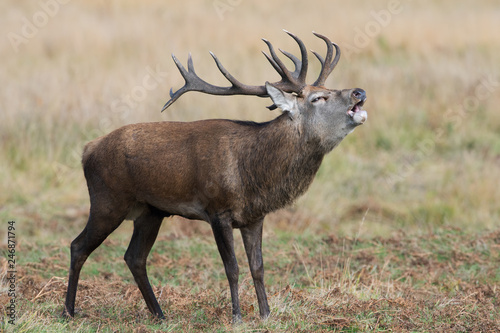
pixel 283 100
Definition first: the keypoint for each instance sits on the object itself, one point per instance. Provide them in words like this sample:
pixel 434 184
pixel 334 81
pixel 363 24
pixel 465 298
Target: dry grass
pixel 428 157
pixel 445 281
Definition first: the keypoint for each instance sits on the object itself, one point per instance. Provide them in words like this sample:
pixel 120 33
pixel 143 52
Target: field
pixel 400 230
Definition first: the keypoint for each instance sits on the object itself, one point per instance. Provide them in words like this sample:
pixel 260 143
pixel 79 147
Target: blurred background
pixel 428 156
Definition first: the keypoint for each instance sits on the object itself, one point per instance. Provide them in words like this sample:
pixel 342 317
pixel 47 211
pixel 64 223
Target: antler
pixel 327 65
pixel 290 81
pixel 195 83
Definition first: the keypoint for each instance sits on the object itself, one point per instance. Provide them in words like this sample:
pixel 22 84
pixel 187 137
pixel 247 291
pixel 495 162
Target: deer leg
pixel 223 232
pixel 99 226
pixel 146 229
pixel 252 239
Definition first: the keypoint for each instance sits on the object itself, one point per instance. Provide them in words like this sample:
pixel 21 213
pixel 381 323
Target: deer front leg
pixel 223 233
pixel 252 239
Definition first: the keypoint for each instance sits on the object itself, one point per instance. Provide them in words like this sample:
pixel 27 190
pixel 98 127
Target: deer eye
pixel 319 98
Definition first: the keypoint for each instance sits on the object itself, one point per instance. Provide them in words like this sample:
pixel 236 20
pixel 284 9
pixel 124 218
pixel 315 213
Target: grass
pixel 425 162
pixel 440 281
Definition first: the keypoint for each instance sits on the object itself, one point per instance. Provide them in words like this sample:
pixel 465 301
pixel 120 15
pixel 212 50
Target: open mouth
pixel 357 113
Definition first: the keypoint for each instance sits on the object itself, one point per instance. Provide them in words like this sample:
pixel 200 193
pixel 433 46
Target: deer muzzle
pixel 357 113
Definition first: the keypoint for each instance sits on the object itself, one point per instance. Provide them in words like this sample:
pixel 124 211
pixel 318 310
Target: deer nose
pixel 359 94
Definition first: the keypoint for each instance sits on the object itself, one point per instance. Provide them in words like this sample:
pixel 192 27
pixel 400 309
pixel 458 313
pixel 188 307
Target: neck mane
pixel 277 166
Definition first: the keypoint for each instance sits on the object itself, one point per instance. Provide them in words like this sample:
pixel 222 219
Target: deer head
pixel 322 115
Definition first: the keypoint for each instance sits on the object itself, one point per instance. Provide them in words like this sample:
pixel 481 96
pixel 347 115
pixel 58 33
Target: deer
pixel 229 173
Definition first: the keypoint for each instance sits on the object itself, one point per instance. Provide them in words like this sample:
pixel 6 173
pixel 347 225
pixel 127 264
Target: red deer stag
pixel 228 173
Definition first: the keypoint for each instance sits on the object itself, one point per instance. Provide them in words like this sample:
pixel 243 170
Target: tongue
pixel 360 116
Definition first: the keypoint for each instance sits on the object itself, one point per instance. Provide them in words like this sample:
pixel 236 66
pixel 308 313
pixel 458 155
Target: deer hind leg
pixel 146 228
pixel 101 223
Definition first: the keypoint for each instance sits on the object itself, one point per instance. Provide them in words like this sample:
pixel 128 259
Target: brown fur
pixel 218 165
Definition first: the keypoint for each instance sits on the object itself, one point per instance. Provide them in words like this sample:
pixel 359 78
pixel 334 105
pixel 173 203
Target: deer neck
pixel 278 165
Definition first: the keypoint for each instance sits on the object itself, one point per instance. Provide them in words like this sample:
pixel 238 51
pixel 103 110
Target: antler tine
pixel 192 82
pixel 237 86
pixel 284 72
pixel 326 62
pixel 274 64
pixel 296 62
pixel 327 65
pixel 303 54
pixel 320 58
pixel 185 74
